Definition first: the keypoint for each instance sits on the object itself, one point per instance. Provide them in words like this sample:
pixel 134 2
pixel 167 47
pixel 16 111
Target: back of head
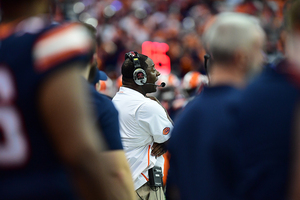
pixel 231 32
pixel 172 83
pixel 128 66
pixel 192 81
pixel 171 80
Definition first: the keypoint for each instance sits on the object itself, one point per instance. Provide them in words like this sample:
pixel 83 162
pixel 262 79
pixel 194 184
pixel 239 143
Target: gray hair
pixel 231 32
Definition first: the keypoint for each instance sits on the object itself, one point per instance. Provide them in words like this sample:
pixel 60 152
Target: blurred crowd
pixel 123 25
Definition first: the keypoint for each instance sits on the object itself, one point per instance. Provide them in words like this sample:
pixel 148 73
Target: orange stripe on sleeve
pixel 44 64
pixel 56 31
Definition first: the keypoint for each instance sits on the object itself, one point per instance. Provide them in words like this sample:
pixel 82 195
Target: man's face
pixel 152 76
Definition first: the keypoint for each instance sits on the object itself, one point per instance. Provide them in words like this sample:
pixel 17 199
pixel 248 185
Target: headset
pixel 139 74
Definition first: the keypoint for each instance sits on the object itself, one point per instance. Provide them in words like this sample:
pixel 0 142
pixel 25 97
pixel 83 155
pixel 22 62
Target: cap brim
pixel 103 76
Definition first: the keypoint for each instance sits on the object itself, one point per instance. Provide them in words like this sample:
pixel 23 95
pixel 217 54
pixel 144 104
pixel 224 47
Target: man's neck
pixel 226 75
pixel 138 89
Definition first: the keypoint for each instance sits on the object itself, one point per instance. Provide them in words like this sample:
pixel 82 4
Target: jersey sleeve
pixel 152 118
pixel 62 45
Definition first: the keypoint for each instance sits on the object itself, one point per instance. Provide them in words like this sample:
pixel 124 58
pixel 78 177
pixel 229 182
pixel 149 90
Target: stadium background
pixel 169 30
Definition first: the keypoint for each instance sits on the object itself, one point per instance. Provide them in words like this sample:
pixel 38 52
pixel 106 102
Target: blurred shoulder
pixel 61 42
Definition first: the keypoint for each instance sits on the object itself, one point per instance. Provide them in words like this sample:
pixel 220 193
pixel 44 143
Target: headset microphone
pixel 163 84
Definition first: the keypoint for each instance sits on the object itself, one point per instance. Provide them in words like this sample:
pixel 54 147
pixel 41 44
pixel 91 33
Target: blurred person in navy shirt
pixel 107 120
pixel 204 162
pixel 268 118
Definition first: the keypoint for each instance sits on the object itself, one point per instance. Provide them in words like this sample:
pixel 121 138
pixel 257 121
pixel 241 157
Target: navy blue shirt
pixel 266 120
pixel 204 160
pixel 107 118
pixel 29 165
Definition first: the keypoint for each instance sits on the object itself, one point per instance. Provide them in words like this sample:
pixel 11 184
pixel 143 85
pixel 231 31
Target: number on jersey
pixel 14 146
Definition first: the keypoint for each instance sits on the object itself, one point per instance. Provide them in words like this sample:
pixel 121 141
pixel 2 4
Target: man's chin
pixel 152 90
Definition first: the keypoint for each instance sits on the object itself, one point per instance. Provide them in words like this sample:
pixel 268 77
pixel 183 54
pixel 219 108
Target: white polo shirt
pixel 142 122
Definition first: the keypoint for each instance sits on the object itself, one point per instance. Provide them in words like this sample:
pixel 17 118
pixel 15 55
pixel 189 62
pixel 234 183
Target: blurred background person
pixel 145 125
pixel 204 150
pixel 96 76
pixel 46 130
pixel 168 94
pixel 107 88
pixel 193 83
pixel 176 94
pixel 268 117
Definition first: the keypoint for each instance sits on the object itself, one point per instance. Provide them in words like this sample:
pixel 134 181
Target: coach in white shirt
pixel 145 125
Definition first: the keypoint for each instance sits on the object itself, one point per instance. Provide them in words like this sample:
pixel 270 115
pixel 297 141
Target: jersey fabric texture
pixel 29 53
pixel 142 122
pixel 204 160
pixel 266 119
pixel 107 119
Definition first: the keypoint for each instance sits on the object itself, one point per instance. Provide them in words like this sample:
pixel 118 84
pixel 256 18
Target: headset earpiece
pixel 139 74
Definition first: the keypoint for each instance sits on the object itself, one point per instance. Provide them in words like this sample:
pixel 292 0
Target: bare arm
pixel 158 149
pixel 64 111
pixel 121 183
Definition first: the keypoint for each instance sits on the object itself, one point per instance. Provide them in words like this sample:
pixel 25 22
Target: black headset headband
pixel 134 57
pixel 139 74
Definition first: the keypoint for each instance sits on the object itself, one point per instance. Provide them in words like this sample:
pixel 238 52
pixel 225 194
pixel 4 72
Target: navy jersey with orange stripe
pixel 33 49
pixel 204 160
